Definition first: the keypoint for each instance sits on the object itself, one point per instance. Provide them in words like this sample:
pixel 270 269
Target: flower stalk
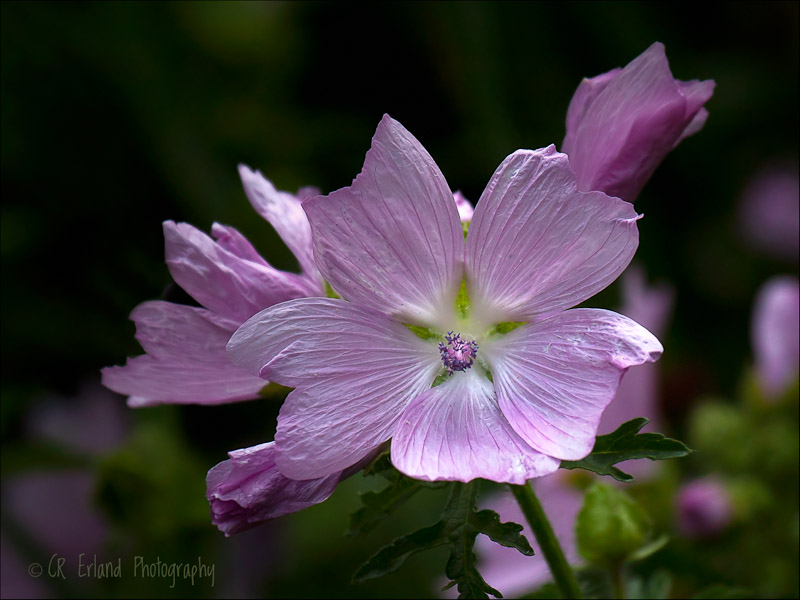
pixel 553 554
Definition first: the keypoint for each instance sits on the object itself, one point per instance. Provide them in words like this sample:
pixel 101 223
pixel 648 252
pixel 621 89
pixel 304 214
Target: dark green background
pixel 117 116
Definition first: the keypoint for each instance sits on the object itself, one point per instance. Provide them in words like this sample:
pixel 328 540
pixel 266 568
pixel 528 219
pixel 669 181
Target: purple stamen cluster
pixel 457 354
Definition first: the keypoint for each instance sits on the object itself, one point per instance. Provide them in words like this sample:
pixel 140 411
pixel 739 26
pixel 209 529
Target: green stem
pixel 553 554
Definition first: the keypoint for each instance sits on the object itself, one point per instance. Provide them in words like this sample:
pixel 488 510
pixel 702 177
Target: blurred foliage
pixel 117 116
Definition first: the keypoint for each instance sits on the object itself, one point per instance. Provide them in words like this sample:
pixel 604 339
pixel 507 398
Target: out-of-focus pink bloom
pixel 185 360
pixel 55 508
pixel 769 211
pixel 704 508
pixel 774 331
pixel 465 210
pixel 621 124
pixel 392 246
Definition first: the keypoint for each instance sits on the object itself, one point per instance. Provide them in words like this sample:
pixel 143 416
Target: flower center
pixel 457 354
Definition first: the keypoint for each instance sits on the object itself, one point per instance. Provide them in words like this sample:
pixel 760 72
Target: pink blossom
pixel 622 124
pixel 775 337
pixel 704 508
pixel 185 360
pixel 769 211
pixel 392 246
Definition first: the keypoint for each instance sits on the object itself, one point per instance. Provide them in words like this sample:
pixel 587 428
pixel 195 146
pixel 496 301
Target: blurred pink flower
pixel 769 211
pixel 622 124
pixel 704 508
pixel 774 332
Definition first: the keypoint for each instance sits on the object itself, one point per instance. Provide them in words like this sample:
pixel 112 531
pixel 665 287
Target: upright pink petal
pixel 537 245
pixel 223 281
pixel 456 432
pixel 285 213
pixel 393 240
pixel 622 124
pixel 774 329
pixel 186 362
pixel 464 206
pixel 355 371
pixel 248 489
pixel 555 377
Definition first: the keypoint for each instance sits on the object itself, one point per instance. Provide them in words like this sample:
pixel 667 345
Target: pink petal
pixel 537 245
pixel 354 369
pixel 464 206
pixel 186 362
pixel 285 213
pixel 393 240
pixel 248 489
pixel 774 330
pixel 622 124
pixel 234 242
pixel 456 432
pixel 225 282
pixel 555 377
pixel 149 381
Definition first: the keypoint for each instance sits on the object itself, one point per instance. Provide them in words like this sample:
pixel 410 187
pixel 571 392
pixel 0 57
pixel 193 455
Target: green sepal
pixel 457 528
pixel 423 332
pixel 462 300
pixel 626 443
pixel 330 292
pixel 272 389
pixel 505 327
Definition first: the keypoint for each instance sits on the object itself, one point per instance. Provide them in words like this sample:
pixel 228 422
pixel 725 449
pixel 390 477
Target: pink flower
pixel 392 246
pixel 704 508
pixel 621 124
pixel 774 330
pixel 185 360
pixel 769 211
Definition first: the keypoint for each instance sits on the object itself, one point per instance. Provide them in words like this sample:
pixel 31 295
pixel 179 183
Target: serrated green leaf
pixel 626 443
pixel 507 534
pixel 391 557
pixel 457 528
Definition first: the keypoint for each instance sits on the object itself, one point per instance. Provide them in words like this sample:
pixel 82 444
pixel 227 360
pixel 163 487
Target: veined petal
pixel 537 245
pixel 186 362
pixel 285 213
pixel 393 240
pixel 456 432
pixel 222 281
pixel 149 381
pixel 621 125
pixel 354 369
pixel 554 378
pixel 248 489
pixel 234 242
pixel 169 331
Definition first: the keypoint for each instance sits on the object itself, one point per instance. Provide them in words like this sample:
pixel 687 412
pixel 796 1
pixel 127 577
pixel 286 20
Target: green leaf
pixel 611 526
pixel 457 528
pixel 722 591
pixel 627 443
pixel 595 584
pixel 379 505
